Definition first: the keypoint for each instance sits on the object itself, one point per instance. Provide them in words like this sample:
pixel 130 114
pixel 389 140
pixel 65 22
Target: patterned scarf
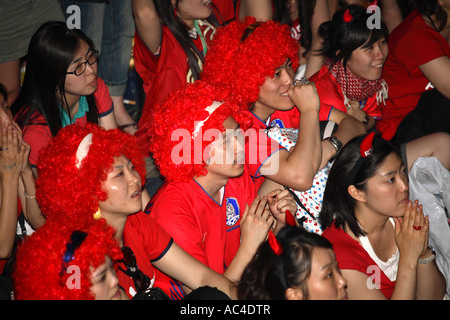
pixel 356 88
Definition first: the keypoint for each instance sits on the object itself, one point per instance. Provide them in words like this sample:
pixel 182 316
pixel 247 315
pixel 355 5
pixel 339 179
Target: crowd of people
pixel 270 160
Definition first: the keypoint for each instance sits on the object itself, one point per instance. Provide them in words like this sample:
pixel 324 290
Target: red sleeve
pixel 174 212
pixel 103 99
pixel 419 47
pixel 349 254
pixel 259 148
pixel 329 92
pixel 146 236
pixel 38 137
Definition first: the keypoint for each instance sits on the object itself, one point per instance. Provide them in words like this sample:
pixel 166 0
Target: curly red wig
pixel 70 194
pixel 40 272
pixel 174 122
pixel 243 54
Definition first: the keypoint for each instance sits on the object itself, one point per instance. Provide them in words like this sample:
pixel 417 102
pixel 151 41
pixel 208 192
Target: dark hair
pixel 337 204
pixel 305 14
pixel 50 53
pixel 3 92
pixel 431 8
pixel 340 38
pixel 268 276
pixel 165 11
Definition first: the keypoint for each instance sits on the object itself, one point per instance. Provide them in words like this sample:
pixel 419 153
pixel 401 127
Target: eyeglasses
pixel 141 281
pixel 82 67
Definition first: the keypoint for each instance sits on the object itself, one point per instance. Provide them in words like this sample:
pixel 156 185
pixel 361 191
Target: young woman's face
pixel 325 281
pixel 123 189
pixel 227 153
pixel 189 10
pixel 86 83
pixel 105 285
pixel 367 63
pixel 273 93
pixel 387 191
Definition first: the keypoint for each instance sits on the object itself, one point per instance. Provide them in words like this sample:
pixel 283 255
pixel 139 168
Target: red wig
pixel 243 54
pixel 69 193
pixel 40 272
pixel 175 121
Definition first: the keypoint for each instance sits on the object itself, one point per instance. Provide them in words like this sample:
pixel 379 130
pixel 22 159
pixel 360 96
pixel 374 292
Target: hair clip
pixel 366 147
pixel 347 16
pixel 275 244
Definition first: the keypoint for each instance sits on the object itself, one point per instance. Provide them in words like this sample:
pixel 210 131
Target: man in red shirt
pixel 204 203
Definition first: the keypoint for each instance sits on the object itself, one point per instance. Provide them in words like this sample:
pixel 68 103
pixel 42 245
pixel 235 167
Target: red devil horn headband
pixel 274 244
pixel 366 147
pixel 347 16
pixel 365 150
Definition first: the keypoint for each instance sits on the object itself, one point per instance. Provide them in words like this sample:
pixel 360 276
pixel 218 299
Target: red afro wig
pixel 243 54
pixel 71 194
pixel 175 122
pixel 40 272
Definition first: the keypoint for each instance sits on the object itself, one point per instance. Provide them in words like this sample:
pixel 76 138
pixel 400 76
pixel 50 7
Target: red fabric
pixel 148 242
pixel 412 44
pixel 161 74
pixel 332 96
pixel 38 134
pixel 258 149
pixel 207 230
pixel 224 10
pixel 350 255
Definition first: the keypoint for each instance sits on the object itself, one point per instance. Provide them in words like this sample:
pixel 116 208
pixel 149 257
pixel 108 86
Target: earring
pixel 98 214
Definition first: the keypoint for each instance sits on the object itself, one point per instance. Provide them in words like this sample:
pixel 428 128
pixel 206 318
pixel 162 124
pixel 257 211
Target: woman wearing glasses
pixel 87 174
pixel 60 87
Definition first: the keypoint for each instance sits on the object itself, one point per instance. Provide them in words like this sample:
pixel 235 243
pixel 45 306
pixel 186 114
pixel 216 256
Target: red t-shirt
pixel 149 242
pixel 164 72
pixel 207 230
pixel 258 148
pixel 38 134
pixel 350 255
pixel 412 44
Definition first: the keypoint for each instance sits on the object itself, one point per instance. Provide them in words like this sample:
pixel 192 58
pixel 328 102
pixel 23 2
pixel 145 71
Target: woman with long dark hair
pixel 61 86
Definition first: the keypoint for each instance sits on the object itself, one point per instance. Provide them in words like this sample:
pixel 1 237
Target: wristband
pixel 430 258
pixel 336 143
